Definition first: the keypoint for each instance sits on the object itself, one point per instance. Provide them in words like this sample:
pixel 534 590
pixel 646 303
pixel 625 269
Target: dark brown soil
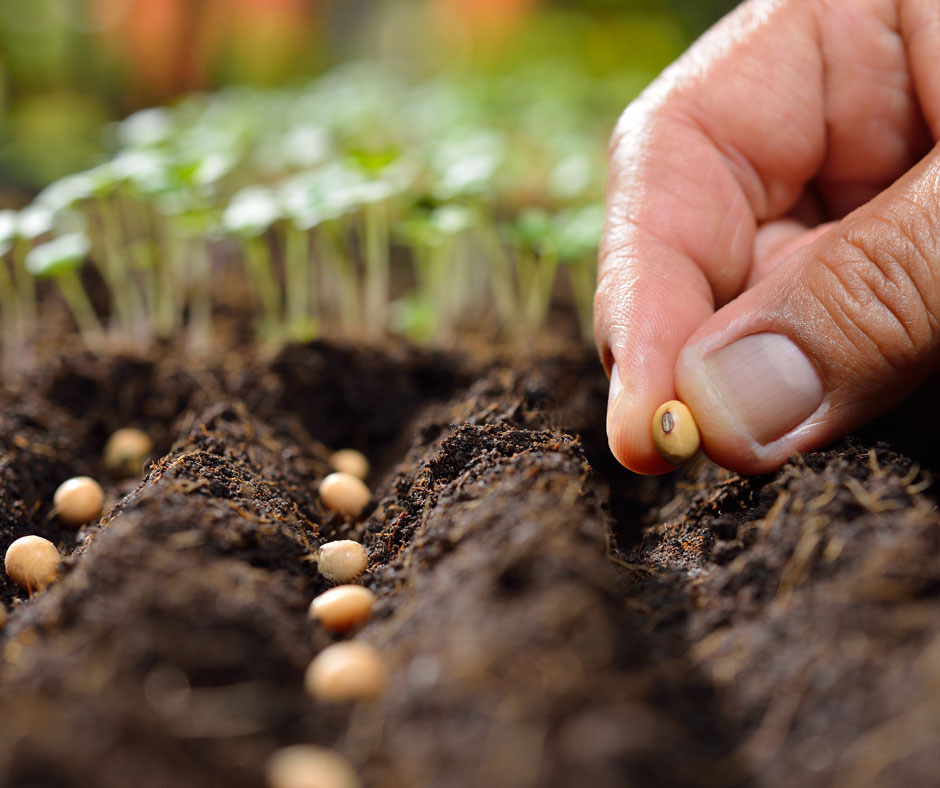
pixel 547 618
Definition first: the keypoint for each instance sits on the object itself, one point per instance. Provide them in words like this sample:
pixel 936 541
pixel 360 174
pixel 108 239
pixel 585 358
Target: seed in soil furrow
pixel 78 501
pixel 350 461
pixel 346 672
pixel 342 608
pixel 342 561
pixel 126 451
pixel 344 493
pixel 32 562
pixel 308 766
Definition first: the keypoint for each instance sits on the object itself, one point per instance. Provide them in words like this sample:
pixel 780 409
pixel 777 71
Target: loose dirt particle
pixel 342 608
pixel 675 433
pixel 32 562
pixel 346 671
pixel 350 461
pixel 126 451
pixel 307 766
pixel 344 493
pixel 78 501
pixel 342 561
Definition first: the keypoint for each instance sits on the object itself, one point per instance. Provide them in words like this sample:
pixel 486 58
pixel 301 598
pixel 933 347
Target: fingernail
pixel 616 387
pixel 767 382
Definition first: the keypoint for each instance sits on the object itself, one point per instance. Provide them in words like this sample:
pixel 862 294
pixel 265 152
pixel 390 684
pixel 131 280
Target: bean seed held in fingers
pixel 346 671
pixel 32 562
pixel 78 501
pixel 126 451
pixel 309 766
pixel 350 461
pixel 342 608
pixel 344 493
pixel 342 561
pixel 675 433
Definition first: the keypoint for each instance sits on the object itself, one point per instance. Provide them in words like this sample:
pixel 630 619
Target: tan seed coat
pixel 350 461
pixel 342 561
pixel 126 451
pixel 344 493
pixel 78 501
pixel 342 608
pixel 308 766
pixel 345 672
pixel 675 433
pixel 32 562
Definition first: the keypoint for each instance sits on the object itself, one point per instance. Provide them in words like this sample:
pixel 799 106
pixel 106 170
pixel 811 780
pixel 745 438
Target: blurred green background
pixel 68 68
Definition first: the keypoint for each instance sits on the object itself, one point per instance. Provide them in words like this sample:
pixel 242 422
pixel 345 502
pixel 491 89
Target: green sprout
pixel 61 259
pixel 358 204
pixel 250 214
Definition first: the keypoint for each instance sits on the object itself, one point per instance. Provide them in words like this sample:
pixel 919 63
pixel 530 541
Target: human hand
pixel 772 249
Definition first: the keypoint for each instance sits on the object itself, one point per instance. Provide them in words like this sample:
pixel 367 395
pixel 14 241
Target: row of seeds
pixel 349 670
pixel 343 672
pixel 32 562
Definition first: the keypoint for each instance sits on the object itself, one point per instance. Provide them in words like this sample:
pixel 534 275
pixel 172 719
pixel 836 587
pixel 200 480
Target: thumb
pixel 840 331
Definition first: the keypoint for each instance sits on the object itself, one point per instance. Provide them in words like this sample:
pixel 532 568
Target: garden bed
pixel 546 617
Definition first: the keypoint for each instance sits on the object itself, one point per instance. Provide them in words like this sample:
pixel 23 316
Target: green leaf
pixel 52 258
pixel 251 212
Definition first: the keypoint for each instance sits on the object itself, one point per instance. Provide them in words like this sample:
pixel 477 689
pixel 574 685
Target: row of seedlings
pixel 318 203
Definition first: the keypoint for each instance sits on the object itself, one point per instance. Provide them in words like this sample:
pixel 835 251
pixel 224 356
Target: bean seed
pixel 126 451
pixel 675 433
pixel 342 561
pixel 342 608
pixel 344 493
pixel 308 766
pixel 345 672
pixel 78 501
pixel 32 562
pixel 350 461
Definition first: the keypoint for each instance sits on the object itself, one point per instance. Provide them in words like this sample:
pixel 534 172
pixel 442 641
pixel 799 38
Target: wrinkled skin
pixel 780 179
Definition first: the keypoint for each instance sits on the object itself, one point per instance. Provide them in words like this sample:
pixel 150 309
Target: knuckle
pixel 880 290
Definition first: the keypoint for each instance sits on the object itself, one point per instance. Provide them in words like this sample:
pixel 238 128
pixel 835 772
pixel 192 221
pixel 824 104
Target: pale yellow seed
pixel 346 671
pixel 126 451
pixel 32 562
pixel 675 433
pixel 342 561
pixel 3 616
pixel 350 461
pixel 342 608
pixel 344 493
pixel 78 501
pixel 308 766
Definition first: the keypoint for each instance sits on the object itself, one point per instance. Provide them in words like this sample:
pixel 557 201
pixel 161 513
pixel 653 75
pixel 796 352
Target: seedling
pixel 32 563
pixel 250 214
pixel 344 493
pixel 351 462
pixel 358 205
pixel 347 671
pixel 342 561
pixel 342 608
pixel 60 259
pixel 308 766
pixel 675 433
pixel 126 451
pixel 78 501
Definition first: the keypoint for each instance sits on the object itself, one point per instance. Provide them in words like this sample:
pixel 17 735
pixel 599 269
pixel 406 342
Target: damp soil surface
pixel 547 619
